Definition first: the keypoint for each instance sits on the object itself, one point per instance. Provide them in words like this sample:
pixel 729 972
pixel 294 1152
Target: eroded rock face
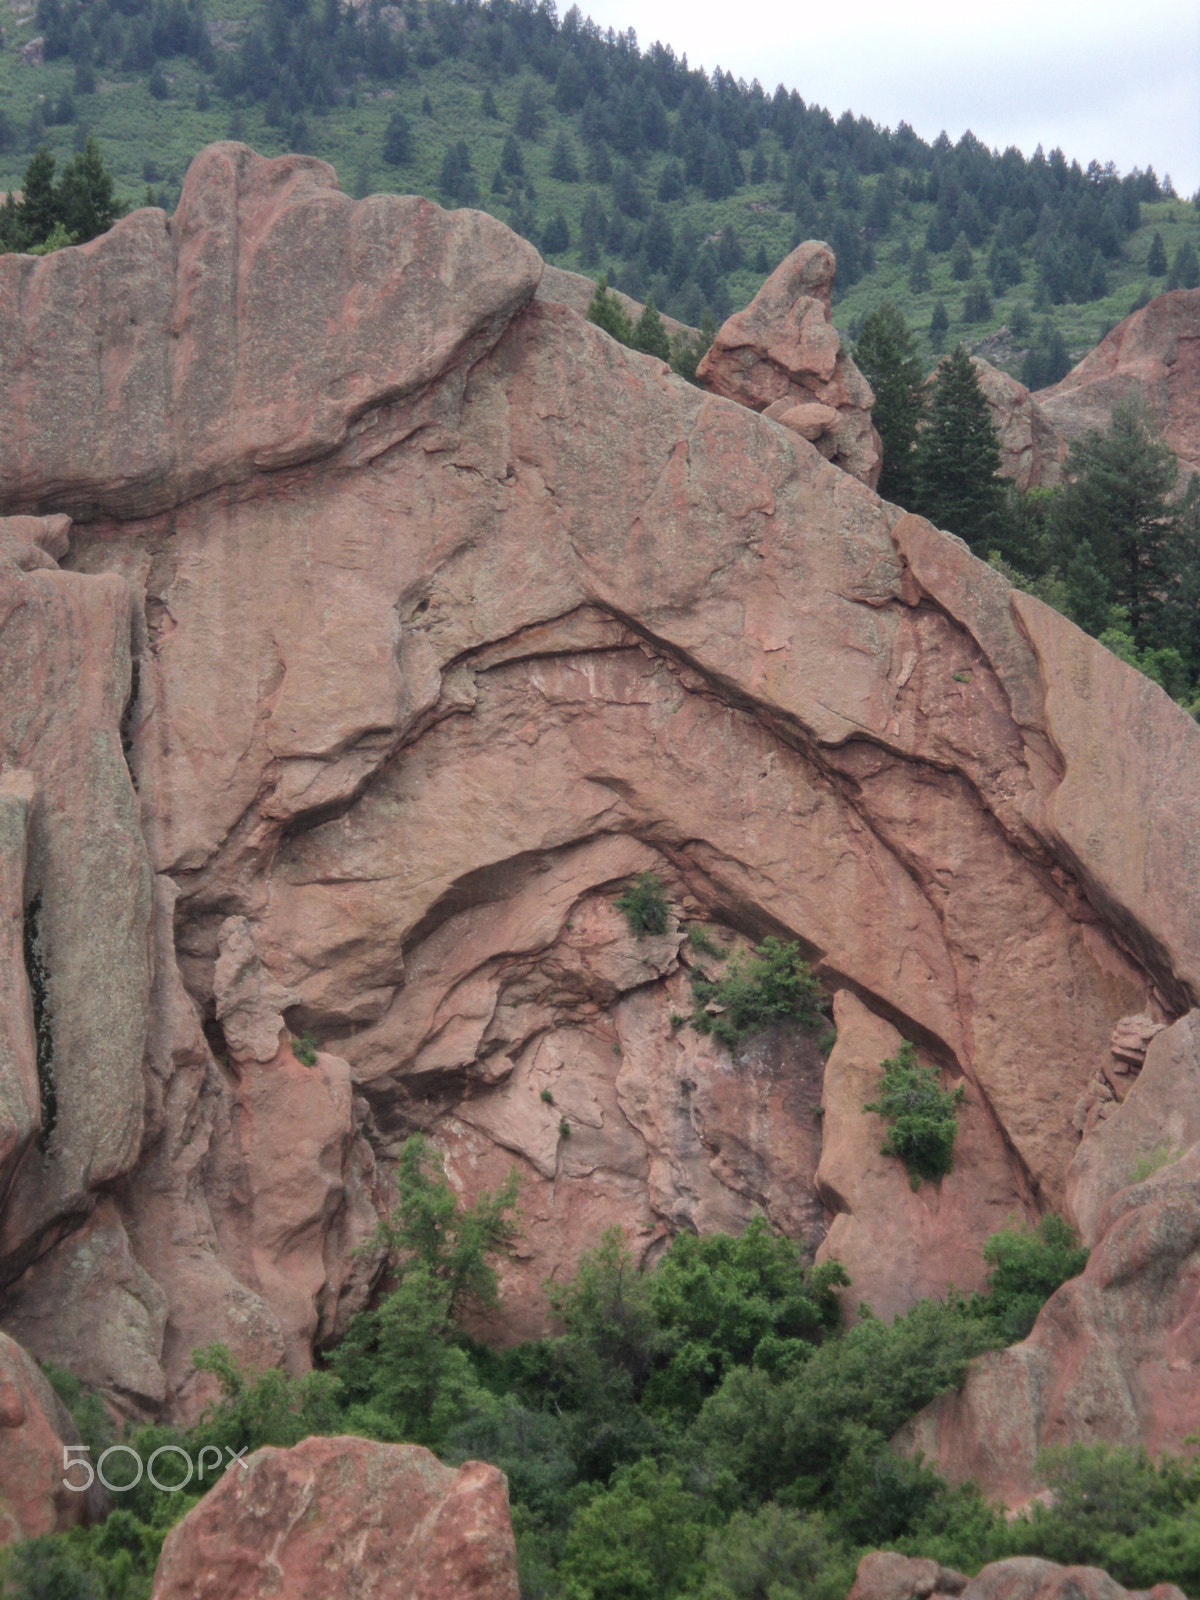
pixel 1112 1357
pixel 783 356
pixel 34 1427
pixel 1032 450
pixel 451 616
pixel 1153 358
pixel 882 1575
pixel 345 1516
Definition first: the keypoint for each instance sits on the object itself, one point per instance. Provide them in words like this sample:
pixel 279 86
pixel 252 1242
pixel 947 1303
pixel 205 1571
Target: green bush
pixel 700 939
pixel 923 1116
pixel 645 905
pixel 755 991
pixel 304 1048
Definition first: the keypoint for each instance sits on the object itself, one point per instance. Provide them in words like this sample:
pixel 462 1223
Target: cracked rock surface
pixel 450 615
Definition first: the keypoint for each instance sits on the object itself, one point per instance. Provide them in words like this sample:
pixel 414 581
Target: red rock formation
pixel 1114 1353
pixel 883 1575
pixel 1032 450
pixel 782 356
pixel 34 1427
pixel 1152 357
pixel 450 615
pixel 345 1516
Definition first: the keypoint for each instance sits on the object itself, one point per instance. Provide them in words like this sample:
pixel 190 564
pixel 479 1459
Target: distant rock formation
pixel 366 622
pixel 1153 357
pixel 1032 451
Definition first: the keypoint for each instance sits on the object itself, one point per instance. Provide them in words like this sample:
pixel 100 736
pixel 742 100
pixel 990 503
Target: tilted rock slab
pixel 1153 359
pixel 1032 450
pixel 345 1516
pixel 34 1427
pixel 450 616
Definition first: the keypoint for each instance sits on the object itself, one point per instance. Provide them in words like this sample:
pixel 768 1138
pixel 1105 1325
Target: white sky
pixel 1111 80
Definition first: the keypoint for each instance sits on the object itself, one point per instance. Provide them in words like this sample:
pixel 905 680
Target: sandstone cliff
pixel 365 623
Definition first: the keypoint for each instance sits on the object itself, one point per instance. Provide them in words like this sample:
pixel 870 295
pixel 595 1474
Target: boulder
pixel 782 356
pixel 34 1427
pixel 1152 358
pixel 883 1575
pixel 345 1516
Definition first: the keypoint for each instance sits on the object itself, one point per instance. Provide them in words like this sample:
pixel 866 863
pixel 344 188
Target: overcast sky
pixel 1110 81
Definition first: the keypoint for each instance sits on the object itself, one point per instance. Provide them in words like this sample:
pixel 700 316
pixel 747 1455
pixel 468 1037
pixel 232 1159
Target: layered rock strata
pixel 450 615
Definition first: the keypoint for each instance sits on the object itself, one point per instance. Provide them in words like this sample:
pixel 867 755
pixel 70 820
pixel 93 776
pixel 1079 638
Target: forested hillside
pixel 679 182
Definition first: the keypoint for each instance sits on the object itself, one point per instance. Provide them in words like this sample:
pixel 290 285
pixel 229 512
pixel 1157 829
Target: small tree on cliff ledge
pixel 923 1116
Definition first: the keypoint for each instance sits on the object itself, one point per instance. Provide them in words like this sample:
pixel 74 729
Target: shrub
pixel 1027 1266
pixel 645 905
pixel 700 939
pixel 304 1048
pixel 923 1116
pixel 755 991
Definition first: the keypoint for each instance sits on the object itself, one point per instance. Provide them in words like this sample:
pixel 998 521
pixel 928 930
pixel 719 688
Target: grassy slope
pixel 134 129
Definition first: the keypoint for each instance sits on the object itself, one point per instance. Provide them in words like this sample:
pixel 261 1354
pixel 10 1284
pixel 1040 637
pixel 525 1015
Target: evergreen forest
pixel 677 182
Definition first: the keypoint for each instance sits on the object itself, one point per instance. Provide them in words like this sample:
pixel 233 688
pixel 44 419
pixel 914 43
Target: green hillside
pixel 687 186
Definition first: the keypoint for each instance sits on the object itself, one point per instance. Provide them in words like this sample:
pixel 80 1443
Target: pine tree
pixel 649 334
pixel 1116 498
pixel 961 262
pixel 1156 261
pixel 886 351
pixel 557 236
pixel 397 140
pixel 529 120
pixel 563 165
pixel 86 205
pixel 607 312
pixel 39 211
pixel 919 280
pixel 1088 594
pixel 1185 269
pixel 957 458
pixel 939 322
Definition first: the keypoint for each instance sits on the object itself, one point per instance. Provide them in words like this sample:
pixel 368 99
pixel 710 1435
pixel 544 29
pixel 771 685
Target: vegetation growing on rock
pixel 922 1117
pixel 755 990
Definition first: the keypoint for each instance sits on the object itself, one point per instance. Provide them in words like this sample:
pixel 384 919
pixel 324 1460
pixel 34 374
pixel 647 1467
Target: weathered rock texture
pixel 450 615
pixel 782 356
pixel 1114 1354
pixel 1032 450
pixel 1153 357
pixel 883 1575
pixel 34 1427
pixel 348 1517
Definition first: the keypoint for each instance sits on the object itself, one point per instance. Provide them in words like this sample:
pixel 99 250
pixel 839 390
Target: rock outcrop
pixel 345 1516
pixel 783 356
pixel 34 1427
pixel 1032 450
pixel 882 1575
pixel 1114 1354
pixel 1153 358
pixel 450 615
